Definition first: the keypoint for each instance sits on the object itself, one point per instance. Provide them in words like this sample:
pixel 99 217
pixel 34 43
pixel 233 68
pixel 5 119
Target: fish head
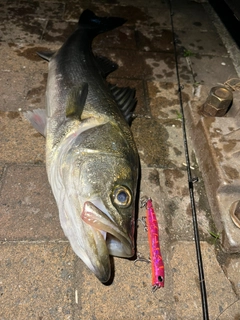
pixel 101 209
pixel 111 202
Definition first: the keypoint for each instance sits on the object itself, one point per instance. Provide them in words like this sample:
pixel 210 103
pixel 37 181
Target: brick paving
pixel 40 276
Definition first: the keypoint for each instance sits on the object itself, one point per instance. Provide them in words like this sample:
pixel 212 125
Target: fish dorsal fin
pixel 105 65
pixel 125 98
pixel 46 55
pixel 77 100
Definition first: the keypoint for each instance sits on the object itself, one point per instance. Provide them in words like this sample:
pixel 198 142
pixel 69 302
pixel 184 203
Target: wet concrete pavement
pixel 40 276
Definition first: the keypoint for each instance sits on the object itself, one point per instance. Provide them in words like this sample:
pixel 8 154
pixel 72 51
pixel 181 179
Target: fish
pixel 92 160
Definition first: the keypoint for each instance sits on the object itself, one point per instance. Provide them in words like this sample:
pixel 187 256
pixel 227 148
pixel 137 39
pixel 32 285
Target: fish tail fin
pixel 99 24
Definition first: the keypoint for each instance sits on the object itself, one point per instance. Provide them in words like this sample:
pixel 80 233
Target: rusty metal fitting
pixel 235 212
pixel 218 102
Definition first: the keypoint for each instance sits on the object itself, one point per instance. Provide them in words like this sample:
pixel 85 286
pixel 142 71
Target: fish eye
pixel 122 196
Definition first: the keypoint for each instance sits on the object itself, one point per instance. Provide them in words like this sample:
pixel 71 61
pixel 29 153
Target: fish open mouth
pixel 117 241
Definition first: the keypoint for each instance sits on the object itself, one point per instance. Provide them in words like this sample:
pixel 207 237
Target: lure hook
pixel 141 258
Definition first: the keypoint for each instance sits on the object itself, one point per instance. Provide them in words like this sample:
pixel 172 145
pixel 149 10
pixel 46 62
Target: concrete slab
pixel 116 38
pixel 20 143
pixel 23 77
pixel 133 281
pixel 201 42
pixel 153 39
pixel 36 281
pixel 221 295
pixel 28 210
pixel 37 256
pixel 176 204
pixel 23 29
pixel 158 144
pixel 128 297
pixel 36 10
pixel 151 186
pixel 164 100
pixel 57 31
pixel 232 271
pixel 162 66
pixel 216 144
pixel 190 15
pixel 145 65
pixel 142 14
pixel 210 72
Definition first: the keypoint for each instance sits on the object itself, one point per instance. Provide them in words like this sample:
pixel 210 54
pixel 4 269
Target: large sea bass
pixel 91 158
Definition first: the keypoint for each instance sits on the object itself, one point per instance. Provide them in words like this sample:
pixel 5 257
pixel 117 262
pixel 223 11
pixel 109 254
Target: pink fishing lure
pixel 155 253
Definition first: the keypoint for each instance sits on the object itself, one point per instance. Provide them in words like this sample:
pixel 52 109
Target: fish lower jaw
pixel 117 249
pixel 117 241
pixel 114 246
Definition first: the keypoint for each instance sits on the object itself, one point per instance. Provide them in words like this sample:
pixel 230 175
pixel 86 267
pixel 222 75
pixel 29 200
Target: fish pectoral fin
pixel 45 55
pixel 126 100
pixel 77 100
pixel 38 119
pixel 105 65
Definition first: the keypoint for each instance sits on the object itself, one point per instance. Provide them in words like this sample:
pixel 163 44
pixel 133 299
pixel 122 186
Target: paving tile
pixel 151 186
pixel 22 29
pixel 128 297
pixel 153 39
pixel 73 9
pixel 216 145
pixel 164 99
pixel 212 71
pixel 20 143
pixel 23 77
pixel 116 38
pixel 176 204
pixel 231 312
pixel 57 32
pixel 135 15
pixel 232 270
pixel 2 170
pixel 177 208
pixel 190 15
pixel 132 64
pixel 17 10
pixel 34 277
pixel 157 17
pixel 131 283
pixel 138 3
pixel 159 143
pixel 163 68
pixel 146 65
pixel 36 281
pixel 27 208
pixel 186 284
pixel 151 136
pixel 200 42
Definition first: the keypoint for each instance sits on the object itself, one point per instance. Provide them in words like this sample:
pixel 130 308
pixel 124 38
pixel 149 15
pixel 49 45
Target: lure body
pixel 155 253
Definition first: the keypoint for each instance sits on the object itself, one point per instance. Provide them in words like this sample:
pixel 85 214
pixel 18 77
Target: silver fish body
pixel 91 158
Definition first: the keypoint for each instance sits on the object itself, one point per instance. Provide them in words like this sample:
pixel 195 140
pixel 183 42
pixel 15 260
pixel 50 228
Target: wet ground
pixel 40 276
